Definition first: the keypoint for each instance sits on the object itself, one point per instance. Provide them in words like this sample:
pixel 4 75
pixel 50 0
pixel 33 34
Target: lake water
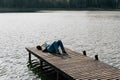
pixel 97 32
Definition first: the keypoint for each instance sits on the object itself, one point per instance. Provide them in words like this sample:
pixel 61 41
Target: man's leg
pixel 61 46
pixel 56 46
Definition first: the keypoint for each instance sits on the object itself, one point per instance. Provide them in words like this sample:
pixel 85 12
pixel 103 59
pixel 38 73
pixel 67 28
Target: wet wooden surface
pixel 77 66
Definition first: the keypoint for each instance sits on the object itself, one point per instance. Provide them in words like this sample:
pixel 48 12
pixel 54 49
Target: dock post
pixel 30 59
pixel 57 76
pixel 41 64
pixel 96 57
pixel 84 53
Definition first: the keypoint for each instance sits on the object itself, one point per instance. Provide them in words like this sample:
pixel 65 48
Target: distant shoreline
pixel 5 10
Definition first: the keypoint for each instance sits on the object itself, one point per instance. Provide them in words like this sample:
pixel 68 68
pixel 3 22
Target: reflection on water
pixel 97 32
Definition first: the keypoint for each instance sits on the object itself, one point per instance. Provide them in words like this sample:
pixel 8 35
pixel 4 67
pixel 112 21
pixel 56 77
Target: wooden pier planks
pixel 76 66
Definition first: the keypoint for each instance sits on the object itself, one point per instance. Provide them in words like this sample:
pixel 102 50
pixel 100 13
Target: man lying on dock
pixel 52 48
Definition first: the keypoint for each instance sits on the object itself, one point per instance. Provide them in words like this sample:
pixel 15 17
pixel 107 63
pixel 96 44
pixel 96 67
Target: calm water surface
pixel 97 32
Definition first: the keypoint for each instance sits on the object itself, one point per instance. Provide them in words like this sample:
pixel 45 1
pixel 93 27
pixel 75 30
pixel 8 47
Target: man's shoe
pixel 64 52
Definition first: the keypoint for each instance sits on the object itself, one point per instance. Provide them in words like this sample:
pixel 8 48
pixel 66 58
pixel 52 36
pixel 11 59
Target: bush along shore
pixel 8 10
pixel 35 5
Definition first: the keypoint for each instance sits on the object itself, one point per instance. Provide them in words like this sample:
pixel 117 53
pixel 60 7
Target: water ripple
pixel 95 32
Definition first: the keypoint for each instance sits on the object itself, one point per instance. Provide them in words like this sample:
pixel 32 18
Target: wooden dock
pixel 76 66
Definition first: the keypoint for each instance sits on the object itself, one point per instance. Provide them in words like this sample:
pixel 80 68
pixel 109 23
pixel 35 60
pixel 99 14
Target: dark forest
pixel 63 4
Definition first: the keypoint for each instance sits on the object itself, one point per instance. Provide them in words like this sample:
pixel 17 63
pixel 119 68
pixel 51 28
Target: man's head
pixel 39 47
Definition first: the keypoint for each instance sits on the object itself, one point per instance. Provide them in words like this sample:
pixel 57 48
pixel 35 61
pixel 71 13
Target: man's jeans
pixel 54 47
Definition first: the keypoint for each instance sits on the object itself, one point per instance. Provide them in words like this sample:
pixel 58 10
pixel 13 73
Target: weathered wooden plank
pixel 76 66
pixel 39 55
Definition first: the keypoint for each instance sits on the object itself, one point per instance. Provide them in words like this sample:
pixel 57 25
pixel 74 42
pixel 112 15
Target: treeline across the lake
pixel 65 4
